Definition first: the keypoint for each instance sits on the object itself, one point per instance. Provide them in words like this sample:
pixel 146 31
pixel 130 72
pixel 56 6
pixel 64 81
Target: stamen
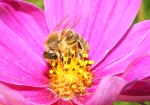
pixel 71 76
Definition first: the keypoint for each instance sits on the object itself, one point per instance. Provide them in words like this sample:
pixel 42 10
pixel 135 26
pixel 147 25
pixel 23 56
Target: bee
pixel 60 41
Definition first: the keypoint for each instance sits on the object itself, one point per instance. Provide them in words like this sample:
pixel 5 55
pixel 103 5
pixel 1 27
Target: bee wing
pixel 72 22
pixel 62 23
pixel 68 23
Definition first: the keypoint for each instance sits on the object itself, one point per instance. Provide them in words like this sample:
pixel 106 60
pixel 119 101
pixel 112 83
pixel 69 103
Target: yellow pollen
pixel 85 55
pixel 71 76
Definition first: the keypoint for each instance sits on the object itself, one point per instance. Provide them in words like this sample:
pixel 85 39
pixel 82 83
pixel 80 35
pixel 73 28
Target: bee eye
pixel 53 56
pixel 50 55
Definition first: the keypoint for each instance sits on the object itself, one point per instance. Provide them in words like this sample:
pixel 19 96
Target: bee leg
pixel 78 55
pixel 69 52
pixel 69 56
pixel 61 57
pixel 80 46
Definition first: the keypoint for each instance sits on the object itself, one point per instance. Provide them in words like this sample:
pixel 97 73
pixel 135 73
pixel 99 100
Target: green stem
pixel 141 15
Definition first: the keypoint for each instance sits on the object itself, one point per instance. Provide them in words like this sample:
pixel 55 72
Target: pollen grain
pixel 72 76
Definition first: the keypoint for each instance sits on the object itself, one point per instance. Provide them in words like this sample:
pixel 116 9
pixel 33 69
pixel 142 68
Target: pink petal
pixel 103 22
pixel 107 91
pixel 11 97
pixel 27 21
pixel 139 88
pixel 40 96
pixel 139 68
pixel 19 61
pixel 43 96
pixel 138 92
pixel 134 44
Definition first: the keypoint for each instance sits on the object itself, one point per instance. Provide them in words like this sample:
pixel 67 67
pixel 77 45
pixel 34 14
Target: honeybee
pixel 60 41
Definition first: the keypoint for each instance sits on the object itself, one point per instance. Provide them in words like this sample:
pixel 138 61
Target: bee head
pixel 51 42
pixel 51 55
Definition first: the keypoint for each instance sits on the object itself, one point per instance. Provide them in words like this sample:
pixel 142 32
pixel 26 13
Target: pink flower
pixel 121 54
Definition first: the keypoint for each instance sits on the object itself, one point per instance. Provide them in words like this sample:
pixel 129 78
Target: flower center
pixel 71 76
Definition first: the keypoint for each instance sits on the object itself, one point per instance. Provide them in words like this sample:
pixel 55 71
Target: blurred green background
pixel 143 14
